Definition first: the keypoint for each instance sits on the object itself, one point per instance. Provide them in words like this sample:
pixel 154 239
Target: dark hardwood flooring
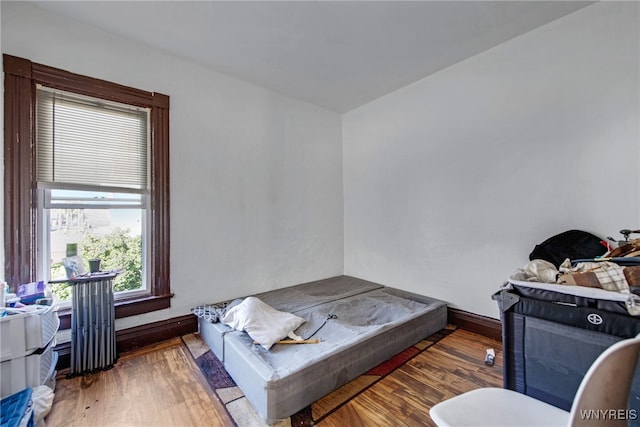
pixel 161 385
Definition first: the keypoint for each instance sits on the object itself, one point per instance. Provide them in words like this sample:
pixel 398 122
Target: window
pixel 107 226
pixel 91 171
pixel 46 190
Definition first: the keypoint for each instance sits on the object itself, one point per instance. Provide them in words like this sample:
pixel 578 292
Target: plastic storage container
pixel 22 334
pixel 28 371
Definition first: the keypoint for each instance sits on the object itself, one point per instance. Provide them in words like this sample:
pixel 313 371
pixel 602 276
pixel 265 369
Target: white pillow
pixel 264 324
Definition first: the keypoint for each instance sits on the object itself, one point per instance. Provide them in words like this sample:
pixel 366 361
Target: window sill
pixel 125 307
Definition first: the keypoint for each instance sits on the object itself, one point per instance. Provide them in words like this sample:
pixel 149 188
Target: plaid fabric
pixel 211 312
pixel 607 275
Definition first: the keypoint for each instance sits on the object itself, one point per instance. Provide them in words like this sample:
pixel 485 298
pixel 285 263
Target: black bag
pixel 572 244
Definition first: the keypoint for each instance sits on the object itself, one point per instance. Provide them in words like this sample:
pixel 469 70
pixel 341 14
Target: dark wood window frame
pixel 20 194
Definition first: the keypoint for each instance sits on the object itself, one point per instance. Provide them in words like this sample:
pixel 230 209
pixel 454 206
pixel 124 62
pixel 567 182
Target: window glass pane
pixel 82 199
pixel 114 235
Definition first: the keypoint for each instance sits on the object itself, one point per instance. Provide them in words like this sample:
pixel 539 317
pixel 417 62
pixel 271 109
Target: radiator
pixel 93 335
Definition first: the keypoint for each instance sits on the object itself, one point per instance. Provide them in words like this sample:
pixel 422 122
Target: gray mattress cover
pixel 299 297
pixel 291 299
pixel 358 318
pixel 370 328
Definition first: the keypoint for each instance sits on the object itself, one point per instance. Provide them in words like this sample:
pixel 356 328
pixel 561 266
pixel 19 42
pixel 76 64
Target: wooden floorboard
pixel 161 385
pixel 452 366
pixel 158 385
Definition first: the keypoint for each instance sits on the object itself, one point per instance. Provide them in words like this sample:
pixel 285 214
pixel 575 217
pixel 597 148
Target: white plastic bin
pixel 22 334
pixel 27 371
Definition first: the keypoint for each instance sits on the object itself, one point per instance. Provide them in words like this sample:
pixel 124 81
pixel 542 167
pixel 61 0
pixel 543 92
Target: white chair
pixel 605 387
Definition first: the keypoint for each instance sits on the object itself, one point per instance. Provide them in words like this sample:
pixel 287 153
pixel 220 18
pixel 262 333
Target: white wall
pixel 256 178
pixel 450 182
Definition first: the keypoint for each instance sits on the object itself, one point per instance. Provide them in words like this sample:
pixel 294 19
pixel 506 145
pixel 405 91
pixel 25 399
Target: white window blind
pixel 84 141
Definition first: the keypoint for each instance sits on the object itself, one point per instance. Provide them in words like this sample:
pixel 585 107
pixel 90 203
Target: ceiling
pixel 336 54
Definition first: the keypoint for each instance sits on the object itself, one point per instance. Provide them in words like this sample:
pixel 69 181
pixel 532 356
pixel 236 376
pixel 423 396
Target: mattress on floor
pixel 299 297
pixel 291 299
pixel 370 328
pixel 213 335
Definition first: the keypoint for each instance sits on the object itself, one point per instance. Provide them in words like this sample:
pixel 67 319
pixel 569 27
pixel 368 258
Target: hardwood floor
pixel 450 367
pixel 161 385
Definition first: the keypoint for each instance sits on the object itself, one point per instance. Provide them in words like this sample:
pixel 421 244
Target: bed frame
pixel 373 323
